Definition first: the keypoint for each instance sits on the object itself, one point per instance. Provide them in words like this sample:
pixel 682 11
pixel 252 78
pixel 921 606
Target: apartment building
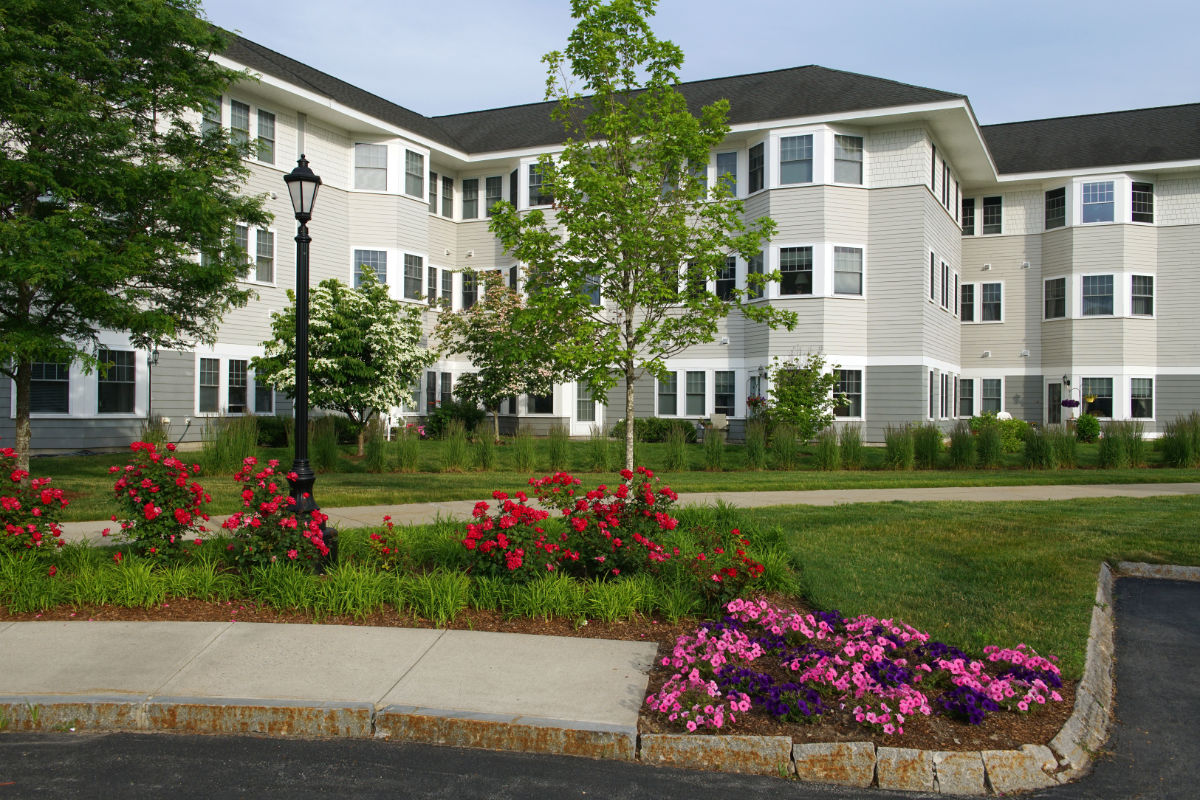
pixel 944 267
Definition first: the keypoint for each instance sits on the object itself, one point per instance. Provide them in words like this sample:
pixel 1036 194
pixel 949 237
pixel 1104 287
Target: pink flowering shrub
pixel 29 510
pixel 269 530
pixel 877 672
pixel 162 512
pixel 385 547
pixel 722 568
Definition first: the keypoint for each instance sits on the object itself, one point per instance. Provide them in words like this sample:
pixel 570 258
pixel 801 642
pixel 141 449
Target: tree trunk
pixel 496 423
pixel 629 426
pixel 24 433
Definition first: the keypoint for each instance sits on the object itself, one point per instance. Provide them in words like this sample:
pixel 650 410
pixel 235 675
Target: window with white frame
pixel 210 116
pixel 848 159
pixel 447 288
pixel 433 192
pixel 724 394
pixel 470 198
pixel 968 216
pixel 956 295
pixel 1141 398
pixel 849 389
pixel 241 243
pixel 848 270
pixel 993 215
pixel 991 397
pixel 370 166
pixel 757 168
pixel 238 386
pixel 945 183
pixel 668 394
pixel 372 261
pixel 1142 296
pixel 694 402
pixel 991 302
pixel 540 403
pixel 1097 295
pixel 1056 208
pixel 1143 202
pixel 591 288
pixel 1100 390
pixel 1098 205
pixel 944 399
pixel 967 302
pixel 754 267
pixel 966 397
pixel 210 386
pixel 447 196
pixel 266 137
pixel 50 388
pixel 431 286
pixel 945 285
pixel 585 404
pixel 932 393
pixel 239 124
pixel 1055 291
pixel 264 397
pixel 469 292
pixel 116 386
pixel 795 271
pixel 414 174
pixel 493 194
pixel 795 160
pixel 932 276
pixel 414 266
pixel 513 277
pixel 727 164
pixel 264 259
pixel 727 278
pixel 539 193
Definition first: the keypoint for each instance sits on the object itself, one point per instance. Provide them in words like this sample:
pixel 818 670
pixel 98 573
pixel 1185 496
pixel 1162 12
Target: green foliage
pixel 354 590
pixel 600 450
pixel 225 441
pixel 524 451
pixel 485 452
pixel 1087 428
pixel 802 394
pixel 1064 444
pixel 1012 431
pixel 558 446
pixel 274 431
pixel 828 455
pixel 899 447
pixel 714 450
pixel 454 448
pixel 108 189
pixel 1181 441
pixel 284 585
pixel 675 455
pixel 962 447
pixel 989 447
pixel 323 444
pixel 1039 450
pixel 610 601
pixel 154 431
pixel 453 409
pixel 655 429
pixel 850 439
pixel 756 445
pixel 407 449
pixel 438 596
pixel 787 449
pixel 927 445
pixel 1111 453
pixel 375 447
pixel 1132 433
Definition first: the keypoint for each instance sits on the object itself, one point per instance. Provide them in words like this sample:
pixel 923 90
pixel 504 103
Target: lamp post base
pixel 306 504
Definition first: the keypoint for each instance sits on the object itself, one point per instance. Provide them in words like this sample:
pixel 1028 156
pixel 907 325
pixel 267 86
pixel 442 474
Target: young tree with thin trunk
pixel 625 260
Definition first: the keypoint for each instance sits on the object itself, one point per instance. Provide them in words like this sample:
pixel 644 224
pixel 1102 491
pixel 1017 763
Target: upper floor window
pixel 414 173
pixel 754 267
pixel 1056 298
pixel 431 285
pixel 264 259
pixel 991 302
pixel 848 159
pixel 993 214
pixel 1143 295
pixel 757 173
pixel 727 278
pixel 538 194
pixel 795 160
pixel 414 266
pixel 967 304
pixel 469 291
pixel 266 137
pixel 727 170
pixel 848 270
pixel 1097 295
pixel 795 270
pixel 945 285
pixel 373 261
pixel 493 193
pixel 1056 208
pixel 1098 201
pixel 470 198
pixel 968 216
pixel 1143 202
pixel 433 192
pixel 370 166
pixel 447 196
pixel 239 123
pixel 210 116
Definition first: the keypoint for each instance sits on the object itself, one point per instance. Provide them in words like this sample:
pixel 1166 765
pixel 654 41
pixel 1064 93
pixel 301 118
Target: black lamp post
pixel 302 185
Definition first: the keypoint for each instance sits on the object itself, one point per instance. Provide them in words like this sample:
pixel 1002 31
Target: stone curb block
pixel 904 768
pixel 959 773
pixel 1170 572
pixel 301 718
pixel 845 763
pixel 757 755
pixel 65 712
pixel 502 732
pixel 1019 770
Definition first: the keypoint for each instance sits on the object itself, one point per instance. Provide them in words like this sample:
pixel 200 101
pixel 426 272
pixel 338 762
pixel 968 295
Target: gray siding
pixel 1174 396
pixel 1024 397
pixel 894 396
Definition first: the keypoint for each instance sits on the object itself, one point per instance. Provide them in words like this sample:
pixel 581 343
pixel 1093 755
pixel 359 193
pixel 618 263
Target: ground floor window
pixel 50 389
pixel 1141 398
pixel 585 405
pixel 723 399
pixel 668 389
pixel 210 385
pixel 1100 390
pixel 992 395
pixel 540 404
pixel 695 394
pixel 849 386
pixel 115 385
pixel 966 397
pixel 239 380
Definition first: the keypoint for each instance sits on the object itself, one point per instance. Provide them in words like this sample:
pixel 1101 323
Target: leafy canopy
pixel 802 393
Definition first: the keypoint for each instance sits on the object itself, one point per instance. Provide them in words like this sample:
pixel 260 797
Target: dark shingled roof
pixel 1142 136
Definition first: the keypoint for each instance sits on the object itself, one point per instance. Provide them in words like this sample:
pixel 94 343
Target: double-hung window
pixel 1143 202
pixel 1056 208
pixel 754 267
pixel 210 385
pixel 945 285
pixel 447 196
pixel 266 137
pixel 968 302
pixel 1141 398
pixel 966 397
pixel 849 390
pixel 723 392
pixel 469 289
pixel 370 166
pixel 210 116
pixel 431 285
pixel 470 198
pixel 414 174
pixel 241 244
pixel 968 216
pixel 239 384
pixel 1098 201
pixel 1056 298
pixel 447 288
pixel 795 271
pixel 795 159
pixel 493 193
pixel 695 394
pixel 1097 295
pixel 372 261
pixel 991 302
pixel 239 124
pixel 1142 296
pixel 539 194
pixel 668 394
pixel 264 260
pixel 50 388
pixel 992 395
pixel 1101 392
pixel 115 386
pixel 414 266
pixel 264 397
pixel 727 278
pixel 848 270
pixel 757 170
pixel 848 159
pixel 433 190
pixel 727 171
pixel 540 403
pixel 932 276
pixel 993 214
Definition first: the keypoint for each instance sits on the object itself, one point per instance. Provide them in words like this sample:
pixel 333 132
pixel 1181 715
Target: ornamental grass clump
pixel 879 673
pixel 850 440
pixel 927 445
pixel 714 450
pixel 1180 441
pixel 756 445
pixel 898 446
pixel 161 509
pixel 1039 450
pixel 989 447
pixel 29 511
pixel 962 447
pixel 558 446
pixel 785 445
pixel 675 451
pixel 1064 444
pixel 827 455
pixel 524 452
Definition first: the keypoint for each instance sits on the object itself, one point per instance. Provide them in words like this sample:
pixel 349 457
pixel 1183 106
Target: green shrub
pixel 756 445
pixel 524 452
pixel 1087 428
pixel 1133 433
pixel 375 449
pixel 274 431
pixel 675 456
pixel 1111 452
pixel 407 447
pixel 962 447
pixel 899 447
pixel 1180 441
pixel 714 450
pixel 558 446
pixel 453 410
pixel 485 451
pixel 1062 441
pixel 323 444
pixel 600 450
pixel 454 446
pixel 853 452
pixel 1012 431
pixel 787 449
pixel 1039 450
pixel 988 447
pixel 828 456
pixel 226 441
pixel 927 445
pixel 654 429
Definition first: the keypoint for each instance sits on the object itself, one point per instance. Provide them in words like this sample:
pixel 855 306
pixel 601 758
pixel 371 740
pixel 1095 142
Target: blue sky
pixel 1015 60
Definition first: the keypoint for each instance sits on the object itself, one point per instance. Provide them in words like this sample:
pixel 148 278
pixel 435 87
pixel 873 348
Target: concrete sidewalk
pixel 467 688
pixel 423 513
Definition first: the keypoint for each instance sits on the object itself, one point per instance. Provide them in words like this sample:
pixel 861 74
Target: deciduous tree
pixel 802 393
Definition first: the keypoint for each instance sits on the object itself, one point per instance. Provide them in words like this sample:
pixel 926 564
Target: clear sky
pixel 1015 60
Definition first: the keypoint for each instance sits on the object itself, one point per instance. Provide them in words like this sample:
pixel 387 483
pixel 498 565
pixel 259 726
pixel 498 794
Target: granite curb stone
pixel 757 755
pixel 845 763
pixel 959 773
pixel 904 768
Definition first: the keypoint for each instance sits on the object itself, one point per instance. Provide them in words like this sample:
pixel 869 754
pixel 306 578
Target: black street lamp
pixel 302 185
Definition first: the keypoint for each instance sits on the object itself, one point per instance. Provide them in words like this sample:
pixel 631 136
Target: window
pixel 932 393
pixel 585 404
pixel 966 397
pixel 239 123
pixel 469 292
pixel 431 387
pixel 756 168
pixel 847 270
pixel 470 198
pixel 727 171
pixel 591 288
pixel 1056 298
pixel 50 388
pixel 1141 398
pixel 512 277
pixel 992 396
pixel 238 384
pixel 264 261
pixel 668 394
pixel 945 183
pixel 540 404
pixel 1056 208
pixel 694 283
pixel 115 386
pixel 373 261
pixel 444 387
pixel 933 169
pixel 241 242
pixel 494 193
pixel 993 214
pixel 754 267
pixel 932 276
pixel 1143 202
pixel 1097 295
pixel 431 286
pixel 538 194
pixel 447 287
pixel 210 116
pixel 447 195
pixel 370 167
pixel 433 188
pixel 848 159
pixel 1143 295
pixel 1054 403
pixel 414 173
pixel 264 397
pixel 723 392
pixel 968 302
pixel 795 160
pixel 700 173
pixel 1098 201
pixel 945 285
pixel 849 386
pixel 991 306
pixel 956 294
pixel 944 398
pixel 513 194
pixel 210 385
pixel 695 394
pixel 968 216
pixel 1101 392
pixel 413 267
pixel 266 137
pixel 727 278
pixel 795 270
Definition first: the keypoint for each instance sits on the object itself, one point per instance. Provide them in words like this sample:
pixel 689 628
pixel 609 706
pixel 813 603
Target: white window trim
pixel 770 168
pixel 1129 276
pixel 775 288
pixel 931 295
pixel 830 158
pixel 978 304
pixel 423 289
pixel 862 383
pixel 975 386
pixel 978 400
pixel 1067 282
pixel 83 392
pixel 773 171
pixel 402 189
pixel 1127 388
pixel 832 272
pixel 252 258
pixel 224 354
pixel 946 275
pixel 1117 300
pixel 1122 199
pixel 389 162
pixel 657 410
